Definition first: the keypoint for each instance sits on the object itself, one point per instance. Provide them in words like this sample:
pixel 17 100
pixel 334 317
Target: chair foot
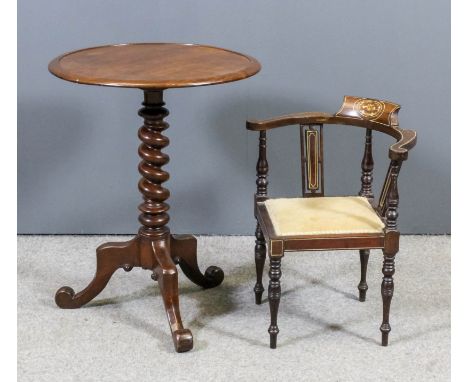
pixel 273 330
pixel 258 295
pixel 385 329
pixel 362 295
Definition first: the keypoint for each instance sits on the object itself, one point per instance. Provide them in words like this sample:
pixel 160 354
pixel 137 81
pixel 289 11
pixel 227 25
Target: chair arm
pixel 287 120
pixel 406 141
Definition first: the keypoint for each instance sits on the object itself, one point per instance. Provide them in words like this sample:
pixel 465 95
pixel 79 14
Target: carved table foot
pixel 160 255
pixel 166 275
pixel 184 253
pixel 109 258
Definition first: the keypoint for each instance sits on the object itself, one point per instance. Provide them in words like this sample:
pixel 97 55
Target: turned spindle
pixel 390 250
pixel 260 255
pixel 274 296
pixel 391 212
pixel 262 189
pixel 367 166
pixel 262 166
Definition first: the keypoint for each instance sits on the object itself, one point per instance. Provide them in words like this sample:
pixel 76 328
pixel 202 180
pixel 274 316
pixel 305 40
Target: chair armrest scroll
pixel 407 140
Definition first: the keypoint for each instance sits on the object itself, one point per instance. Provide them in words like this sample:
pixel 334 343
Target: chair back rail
pixel 371 114
pixel 354 112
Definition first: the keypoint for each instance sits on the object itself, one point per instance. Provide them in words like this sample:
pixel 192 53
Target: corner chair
pixel 316 222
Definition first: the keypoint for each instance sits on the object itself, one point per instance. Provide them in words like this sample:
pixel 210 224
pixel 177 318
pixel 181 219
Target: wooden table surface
pixel 153 65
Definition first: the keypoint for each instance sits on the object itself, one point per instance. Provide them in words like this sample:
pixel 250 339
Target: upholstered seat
pixel 323 215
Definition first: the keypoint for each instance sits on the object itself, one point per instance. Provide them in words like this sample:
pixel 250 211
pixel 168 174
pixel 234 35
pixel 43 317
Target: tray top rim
pixel 252 68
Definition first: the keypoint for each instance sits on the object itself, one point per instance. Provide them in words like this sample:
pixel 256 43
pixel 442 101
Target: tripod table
pixel 152 67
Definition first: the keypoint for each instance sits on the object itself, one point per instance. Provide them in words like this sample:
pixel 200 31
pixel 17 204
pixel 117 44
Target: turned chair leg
pixel 362 287
pixel 260 255
pixel 274 296
pixel 388 271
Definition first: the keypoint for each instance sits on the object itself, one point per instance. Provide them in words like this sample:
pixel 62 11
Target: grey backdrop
pixel 77 144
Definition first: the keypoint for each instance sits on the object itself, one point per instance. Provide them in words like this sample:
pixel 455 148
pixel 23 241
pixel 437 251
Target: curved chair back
pixel 371 114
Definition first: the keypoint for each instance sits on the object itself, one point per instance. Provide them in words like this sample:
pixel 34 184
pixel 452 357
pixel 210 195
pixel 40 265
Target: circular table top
pixel 153 65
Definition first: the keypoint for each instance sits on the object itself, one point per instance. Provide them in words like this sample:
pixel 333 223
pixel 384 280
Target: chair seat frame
pixel 278 244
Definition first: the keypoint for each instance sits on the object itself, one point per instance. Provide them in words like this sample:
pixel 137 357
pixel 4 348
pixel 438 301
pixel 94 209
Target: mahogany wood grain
pixel 154 65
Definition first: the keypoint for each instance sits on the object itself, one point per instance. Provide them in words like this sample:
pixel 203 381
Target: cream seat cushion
pixel 323 215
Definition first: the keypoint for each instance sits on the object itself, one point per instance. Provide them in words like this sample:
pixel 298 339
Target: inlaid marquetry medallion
pixel 369 108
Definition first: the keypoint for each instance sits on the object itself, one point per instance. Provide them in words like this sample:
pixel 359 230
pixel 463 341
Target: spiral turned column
pixel 154 216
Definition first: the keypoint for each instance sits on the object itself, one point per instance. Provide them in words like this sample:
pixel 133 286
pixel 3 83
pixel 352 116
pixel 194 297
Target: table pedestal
pixel 153 248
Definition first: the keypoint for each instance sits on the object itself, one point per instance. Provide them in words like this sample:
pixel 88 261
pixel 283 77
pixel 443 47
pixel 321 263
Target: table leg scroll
pixel 110 257
pixel 166 274
pixel 184 253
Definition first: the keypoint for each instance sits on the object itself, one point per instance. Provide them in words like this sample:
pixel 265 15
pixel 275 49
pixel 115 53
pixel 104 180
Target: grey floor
pixel 326 334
